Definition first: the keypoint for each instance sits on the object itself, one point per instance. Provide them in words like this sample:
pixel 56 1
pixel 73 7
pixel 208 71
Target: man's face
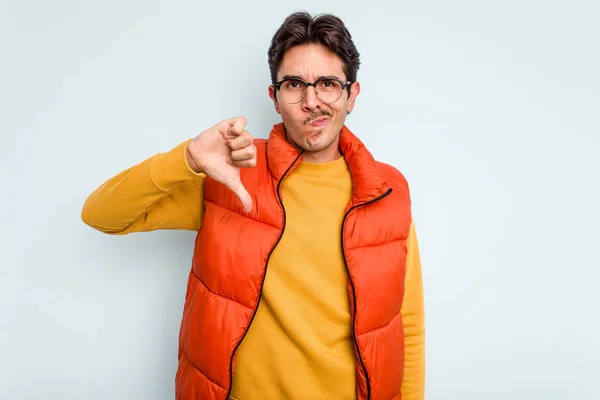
pixel 311 124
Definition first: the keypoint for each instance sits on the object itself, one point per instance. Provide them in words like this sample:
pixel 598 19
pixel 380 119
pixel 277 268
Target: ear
pixel 354 92
pixel 272 96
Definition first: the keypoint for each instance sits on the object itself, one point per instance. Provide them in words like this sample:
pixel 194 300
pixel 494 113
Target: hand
pixel 221 151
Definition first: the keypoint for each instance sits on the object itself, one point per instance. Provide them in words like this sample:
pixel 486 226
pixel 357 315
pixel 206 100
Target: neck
pixel 321 157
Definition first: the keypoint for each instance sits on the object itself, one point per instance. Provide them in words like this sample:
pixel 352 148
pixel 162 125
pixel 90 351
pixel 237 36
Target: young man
pixel 306 279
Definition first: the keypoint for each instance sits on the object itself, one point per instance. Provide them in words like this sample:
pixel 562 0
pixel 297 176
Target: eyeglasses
pixel 328 90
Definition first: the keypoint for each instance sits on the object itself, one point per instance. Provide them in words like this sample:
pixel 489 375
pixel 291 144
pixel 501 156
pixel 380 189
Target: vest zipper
pixel 362 364
pixel 264 276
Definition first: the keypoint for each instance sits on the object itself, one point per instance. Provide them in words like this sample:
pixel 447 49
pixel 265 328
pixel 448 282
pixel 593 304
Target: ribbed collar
pixel 326 170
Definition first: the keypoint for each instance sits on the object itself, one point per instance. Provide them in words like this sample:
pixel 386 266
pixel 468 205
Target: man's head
pixel 308 50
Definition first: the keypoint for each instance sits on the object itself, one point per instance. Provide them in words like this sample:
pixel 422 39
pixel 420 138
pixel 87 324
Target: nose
pixel 311 101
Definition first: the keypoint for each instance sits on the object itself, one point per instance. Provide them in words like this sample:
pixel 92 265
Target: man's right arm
pixel 162 192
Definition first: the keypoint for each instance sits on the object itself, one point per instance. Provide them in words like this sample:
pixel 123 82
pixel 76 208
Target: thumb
pixel 240 191
pixel 236 127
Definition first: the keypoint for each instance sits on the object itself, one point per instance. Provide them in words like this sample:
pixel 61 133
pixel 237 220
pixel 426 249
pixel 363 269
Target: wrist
pixel 190 160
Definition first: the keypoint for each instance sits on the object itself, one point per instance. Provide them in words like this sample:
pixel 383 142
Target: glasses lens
pixel 292 91
pixel 329 90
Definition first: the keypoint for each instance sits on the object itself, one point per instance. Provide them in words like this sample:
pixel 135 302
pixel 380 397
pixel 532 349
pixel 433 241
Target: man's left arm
pixel 413 318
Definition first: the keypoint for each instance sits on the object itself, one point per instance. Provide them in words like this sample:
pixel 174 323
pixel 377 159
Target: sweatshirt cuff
pixel 170 169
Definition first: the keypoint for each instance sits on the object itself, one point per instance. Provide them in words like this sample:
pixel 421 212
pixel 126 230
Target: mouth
pixel 319 122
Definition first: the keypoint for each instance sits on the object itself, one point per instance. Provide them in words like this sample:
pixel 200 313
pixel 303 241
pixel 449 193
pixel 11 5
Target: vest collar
pixel 368 181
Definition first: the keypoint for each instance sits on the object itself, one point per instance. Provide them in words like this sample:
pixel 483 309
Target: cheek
pixel 290 115
pixel 340 106
pixel 340 112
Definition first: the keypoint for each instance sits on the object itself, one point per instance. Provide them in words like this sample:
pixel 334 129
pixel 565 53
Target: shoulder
pixel 393 176
pixel 261 145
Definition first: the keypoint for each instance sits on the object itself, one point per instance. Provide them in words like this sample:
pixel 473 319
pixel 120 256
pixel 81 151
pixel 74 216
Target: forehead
pixel 311 61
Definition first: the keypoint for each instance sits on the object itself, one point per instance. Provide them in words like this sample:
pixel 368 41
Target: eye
pixel 329 85
pixel 292 84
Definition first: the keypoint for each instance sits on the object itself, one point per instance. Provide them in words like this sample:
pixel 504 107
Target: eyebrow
pixel 299 77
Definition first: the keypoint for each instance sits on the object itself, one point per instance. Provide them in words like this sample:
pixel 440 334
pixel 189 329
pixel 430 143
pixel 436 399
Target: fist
pixel 221 151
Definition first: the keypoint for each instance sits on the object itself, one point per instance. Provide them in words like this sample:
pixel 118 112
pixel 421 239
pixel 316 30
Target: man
pixel 306 277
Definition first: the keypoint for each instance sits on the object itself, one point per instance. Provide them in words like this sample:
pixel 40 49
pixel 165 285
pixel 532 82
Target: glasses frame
pixel 344 85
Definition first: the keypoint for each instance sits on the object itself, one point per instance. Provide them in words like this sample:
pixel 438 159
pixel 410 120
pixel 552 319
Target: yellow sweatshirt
pixel 299 345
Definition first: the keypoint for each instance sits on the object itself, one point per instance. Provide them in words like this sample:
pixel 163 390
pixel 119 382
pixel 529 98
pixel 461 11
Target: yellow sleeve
pixel 413 386
pixel 162 192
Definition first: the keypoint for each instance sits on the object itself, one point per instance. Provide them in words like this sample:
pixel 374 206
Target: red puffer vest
pixel 232 252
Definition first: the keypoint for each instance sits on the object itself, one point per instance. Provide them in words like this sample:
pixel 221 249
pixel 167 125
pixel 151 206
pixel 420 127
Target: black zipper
pixel 362 364
pixel 264 276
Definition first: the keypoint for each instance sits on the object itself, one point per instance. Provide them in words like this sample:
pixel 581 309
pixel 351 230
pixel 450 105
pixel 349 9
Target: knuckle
pixel 237 145
pixel 246 138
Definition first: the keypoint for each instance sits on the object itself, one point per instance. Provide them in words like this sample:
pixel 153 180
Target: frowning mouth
pixel 319 121
pixel 316 116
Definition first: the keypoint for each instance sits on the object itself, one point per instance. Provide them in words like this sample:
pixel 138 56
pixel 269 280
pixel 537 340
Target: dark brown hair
pixel 328 30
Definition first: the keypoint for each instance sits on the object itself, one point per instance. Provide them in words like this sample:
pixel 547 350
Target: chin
pixel 322 142
pixel 313 139
pixel 316 138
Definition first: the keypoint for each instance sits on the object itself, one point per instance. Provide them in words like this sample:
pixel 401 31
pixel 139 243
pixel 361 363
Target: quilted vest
pixel 231 255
